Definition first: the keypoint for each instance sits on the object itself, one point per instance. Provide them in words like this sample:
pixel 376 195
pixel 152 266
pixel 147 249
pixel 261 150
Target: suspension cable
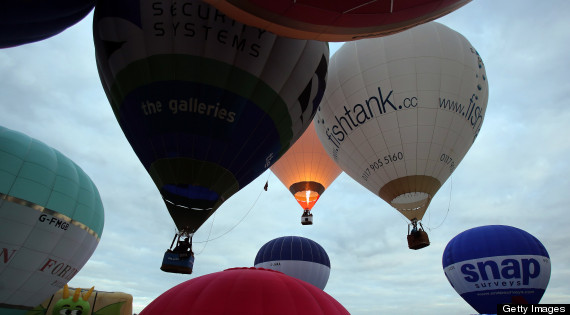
pixel 448 205
pixel 234 226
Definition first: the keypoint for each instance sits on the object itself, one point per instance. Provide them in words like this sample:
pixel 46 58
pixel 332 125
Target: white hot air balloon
pixel 400 113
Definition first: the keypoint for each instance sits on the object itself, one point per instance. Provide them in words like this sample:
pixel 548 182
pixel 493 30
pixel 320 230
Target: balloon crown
pixel 254 268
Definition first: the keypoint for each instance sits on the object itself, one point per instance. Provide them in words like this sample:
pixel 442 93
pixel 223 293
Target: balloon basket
pixel 307 219
pixel 418 240
pixel 177 262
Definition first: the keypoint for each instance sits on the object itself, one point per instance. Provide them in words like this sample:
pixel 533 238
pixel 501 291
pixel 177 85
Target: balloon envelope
pixel 336 20
pixel 51 220
pixel 297 257
pixel 496 264
pixel 207 104
pixel 245 291
pixel 23 22
pixel 306 169
pixel 400 112
pixel 101 302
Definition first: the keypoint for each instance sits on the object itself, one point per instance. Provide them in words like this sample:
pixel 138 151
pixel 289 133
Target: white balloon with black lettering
pixel 400 112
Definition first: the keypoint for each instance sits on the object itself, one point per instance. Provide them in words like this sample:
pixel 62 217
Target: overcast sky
pixel 516 173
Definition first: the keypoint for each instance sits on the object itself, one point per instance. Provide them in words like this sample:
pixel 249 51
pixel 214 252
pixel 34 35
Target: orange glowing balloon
pixel 306 169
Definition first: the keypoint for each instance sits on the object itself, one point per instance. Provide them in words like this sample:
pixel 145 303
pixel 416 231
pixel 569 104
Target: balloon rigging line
pixel 448 205
pixel 241 220
pixel 209 233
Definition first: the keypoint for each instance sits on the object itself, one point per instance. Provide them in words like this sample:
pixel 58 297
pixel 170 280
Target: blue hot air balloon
pixel 207 104
pixel 298 257
pixel 23 22
pixel 496 264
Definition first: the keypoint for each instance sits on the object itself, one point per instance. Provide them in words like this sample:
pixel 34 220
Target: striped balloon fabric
pixel 298 257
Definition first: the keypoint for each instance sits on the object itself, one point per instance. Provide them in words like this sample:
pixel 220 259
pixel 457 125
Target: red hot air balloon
pixel 336 21
pixel 207 103
pixel 307 170
pixel 245 291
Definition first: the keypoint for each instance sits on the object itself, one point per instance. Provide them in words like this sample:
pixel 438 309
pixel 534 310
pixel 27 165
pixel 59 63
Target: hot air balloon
pixel 336 21
pixel 51 220
pixel 206 103
pixel 244 291
pixel 101 303
pixel 400 112
pixel 298 257
pixel 496 264
pixel 23 22
pixel 306 170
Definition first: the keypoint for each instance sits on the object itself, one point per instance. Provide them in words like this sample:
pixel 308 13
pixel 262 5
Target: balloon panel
pixel 336 20
pixel 496 264
pixel 207 103
pixel 292 248
pixel 400 112
pixel 25 22
pixel 314 273
pixel 306 169
pixel 297 257
pixel 51 220
pixel 237 291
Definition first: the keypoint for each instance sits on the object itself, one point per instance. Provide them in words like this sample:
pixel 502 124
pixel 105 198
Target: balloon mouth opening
pixel 411 201
pixel 307 193
pixel 307 198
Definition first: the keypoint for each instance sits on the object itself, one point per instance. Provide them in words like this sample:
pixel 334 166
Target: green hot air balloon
pixel 207 103
pixel 51 220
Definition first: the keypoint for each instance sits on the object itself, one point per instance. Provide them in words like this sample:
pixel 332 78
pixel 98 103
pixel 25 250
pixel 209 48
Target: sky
pixel 516 173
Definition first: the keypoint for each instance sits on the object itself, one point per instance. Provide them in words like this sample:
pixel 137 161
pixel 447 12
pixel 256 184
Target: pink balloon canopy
pixel 328 20
pixel 251 291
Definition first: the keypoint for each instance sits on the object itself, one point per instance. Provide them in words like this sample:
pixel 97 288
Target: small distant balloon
pixel 306 170
pixel 297 257
pixel 496 264
pixel 245 291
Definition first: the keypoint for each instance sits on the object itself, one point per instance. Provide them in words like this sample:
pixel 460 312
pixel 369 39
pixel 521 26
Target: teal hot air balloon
pixel 51 220
pixel 206 103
